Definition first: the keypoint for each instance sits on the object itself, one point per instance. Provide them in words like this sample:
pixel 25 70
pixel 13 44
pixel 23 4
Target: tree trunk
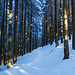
pixel 10 36
pixel 28 35
pixel 56 31
pixel 66 49
pixel 15 33
pixel 31 30
pixel 51 26
pixel 42 33
pixel 22 51
pixel 61 16
pixel 25 29
pixel 69 19
pixel 46 30
pixel 5 56
pixel 73 23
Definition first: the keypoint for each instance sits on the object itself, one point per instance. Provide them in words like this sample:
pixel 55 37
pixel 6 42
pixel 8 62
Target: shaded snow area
pixel 44 61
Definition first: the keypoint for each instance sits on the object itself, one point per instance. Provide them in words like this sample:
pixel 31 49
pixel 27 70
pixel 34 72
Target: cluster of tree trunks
pixel 15 32
pixel 19 29
pixel 63 30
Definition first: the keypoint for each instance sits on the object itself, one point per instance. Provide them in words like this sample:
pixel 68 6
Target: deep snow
pixel 44 61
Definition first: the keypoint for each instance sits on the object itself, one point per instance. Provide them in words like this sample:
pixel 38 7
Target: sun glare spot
pixel 16 67
pixel 23 71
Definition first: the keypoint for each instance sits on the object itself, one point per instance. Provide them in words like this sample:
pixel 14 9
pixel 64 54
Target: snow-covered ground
pixel 44 61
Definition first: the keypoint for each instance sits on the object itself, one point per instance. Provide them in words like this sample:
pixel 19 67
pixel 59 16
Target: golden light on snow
pixel 9 64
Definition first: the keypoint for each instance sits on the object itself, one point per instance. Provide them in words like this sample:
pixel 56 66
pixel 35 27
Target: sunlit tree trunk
pixel 61 17
pixel 56 31
pixel 19 48
pixel 20 27
pixel 15 33
pixel 73 23
pixel 19 43
pixel 10 36
pixel 66 49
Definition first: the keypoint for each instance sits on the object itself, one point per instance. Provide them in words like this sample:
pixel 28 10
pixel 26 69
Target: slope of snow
pixel 44 61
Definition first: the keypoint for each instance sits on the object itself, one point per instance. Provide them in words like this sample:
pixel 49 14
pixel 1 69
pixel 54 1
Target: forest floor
pixel 44 61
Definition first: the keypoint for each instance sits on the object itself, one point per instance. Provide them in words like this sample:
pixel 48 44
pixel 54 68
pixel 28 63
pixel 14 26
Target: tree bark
pixel 5 56
pixel 15 33
pixel 25 28
pixel 73 23
pixel 66 49
pixel 69 19
pixel 51 26
pixel 10 37
pixel 31 30
pixel 61 17
pixel 56 31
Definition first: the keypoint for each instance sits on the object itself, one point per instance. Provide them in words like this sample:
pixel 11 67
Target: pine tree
pixel 31 30
pixel 5 56
pixel 42 33
pixel 22 50
pixel 46 30
pixel 73 23
pixel 1 32
pixel 15 32
pixel 56 31
pixel 51 26
pixel 69 19
pixel 25 28
pixel 61 17
pixel 28 34
pixel 66 49
pixel 10 36
pixel 35 36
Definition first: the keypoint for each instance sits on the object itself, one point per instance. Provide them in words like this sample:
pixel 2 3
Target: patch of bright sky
pixel 44 1
pixel 38 1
